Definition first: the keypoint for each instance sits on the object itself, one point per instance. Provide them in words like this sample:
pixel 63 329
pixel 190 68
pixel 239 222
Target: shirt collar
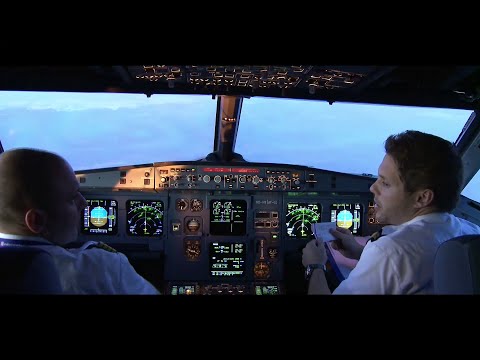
pixel 12 237
pixel 431 217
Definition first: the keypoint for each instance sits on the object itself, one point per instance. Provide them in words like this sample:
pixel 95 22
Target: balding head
pixel 33 179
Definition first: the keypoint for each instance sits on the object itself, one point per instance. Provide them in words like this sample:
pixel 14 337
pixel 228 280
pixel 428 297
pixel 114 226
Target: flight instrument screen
pixel 144 218
pixel 100 217
pixel 227 259
pixel 348 216
pixel 228 217
pixel 300 217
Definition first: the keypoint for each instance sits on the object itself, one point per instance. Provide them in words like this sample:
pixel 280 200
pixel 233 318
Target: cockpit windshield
pixel 340 137
pixel 106 130
pixel 98 130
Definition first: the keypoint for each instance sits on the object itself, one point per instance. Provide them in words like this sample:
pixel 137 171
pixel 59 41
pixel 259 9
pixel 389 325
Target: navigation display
pixel 100 217
pixel 348 216
pixel 144 218
pixel 300 217
pixel 228 217
pixel 227 259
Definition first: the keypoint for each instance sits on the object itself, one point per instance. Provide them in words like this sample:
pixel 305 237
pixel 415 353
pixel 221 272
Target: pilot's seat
pixel 457 266
pixel 27 270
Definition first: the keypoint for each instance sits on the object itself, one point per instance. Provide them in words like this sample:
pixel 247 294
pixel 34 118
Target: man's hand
pixel 314 253
pixel 346 243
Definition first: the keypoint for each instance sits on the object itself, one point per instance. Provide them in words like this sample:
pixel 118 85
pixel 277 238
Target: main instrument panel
pixel 221 229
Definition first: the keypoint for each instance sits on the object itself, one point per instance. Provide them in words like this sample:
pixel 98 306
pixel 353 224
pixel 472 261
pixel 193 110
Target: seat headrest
pixel 28 270
pixel 457 266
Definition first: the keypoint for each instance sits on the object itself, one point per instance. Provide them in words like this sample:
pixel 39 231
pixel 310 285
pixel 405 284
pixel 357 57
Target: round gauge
pixel 144 217
pixel 216 207
pixel 181 204
pixel 196 205
pixel 300 217
pixel 193 225
pixel 261 270
pixel 192 249
pixel 222 209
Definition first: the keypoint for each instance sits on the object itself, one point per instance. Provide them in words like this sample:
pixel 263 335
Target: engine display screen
pixel 100 217
pixel 227 259
pixel 348 216
pixel 300 217
pixel 144 218
pixel 228 217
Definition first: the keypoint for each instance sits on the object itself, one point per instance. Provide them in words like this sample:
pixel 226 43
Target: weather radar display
pixel 300 217
pixel 100 217
pixel 144 218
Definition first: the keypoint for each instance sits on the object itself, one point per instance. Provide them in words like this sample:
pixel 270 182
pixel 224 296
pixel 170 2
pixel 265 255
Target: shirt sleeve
pixel 103 272
pixel 375 273
pixel 130 282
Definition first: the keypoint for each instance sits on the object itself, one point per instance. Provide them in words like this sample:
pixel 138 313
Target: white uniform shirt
pixel 91 271
pixel 401 261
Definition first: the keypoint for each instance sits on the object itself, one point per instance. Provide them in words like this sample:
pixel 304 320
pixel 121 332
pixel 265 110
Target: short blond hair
pixel 27 180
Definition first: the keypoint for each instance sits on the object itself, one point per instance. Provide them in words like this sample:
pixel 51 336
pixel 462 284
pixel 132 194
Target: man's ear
pixel 36 220
pixel 423 198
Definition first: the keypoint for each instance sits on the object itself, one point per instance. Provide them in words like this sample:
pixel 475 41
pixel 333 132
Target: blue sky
pixel 104 130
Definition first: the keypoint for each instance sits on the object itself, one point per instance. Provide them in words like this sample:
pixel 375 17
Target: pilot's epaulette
pixel 376 235
pixel 101 245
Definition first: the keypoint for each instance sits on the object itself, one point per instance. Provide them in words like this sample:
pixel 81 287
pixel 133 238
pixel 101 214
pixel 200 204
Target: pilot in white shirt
pixel 418 186
pixel 93 268
pixel 403 256
pixel 41 206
